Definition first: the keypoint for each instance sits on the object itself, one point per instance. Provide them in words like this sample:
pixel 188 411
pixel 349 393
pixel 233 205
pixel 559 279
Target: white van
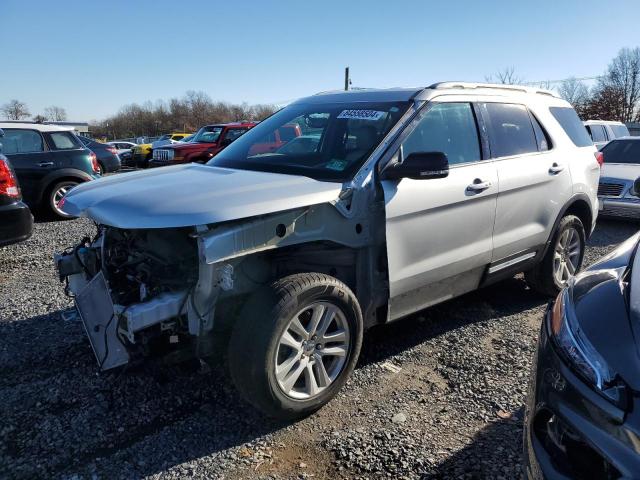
pixel 603 131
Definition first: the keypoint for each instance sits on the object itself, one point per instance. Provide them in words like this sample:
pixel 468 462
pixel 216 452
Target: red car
pixel 211 139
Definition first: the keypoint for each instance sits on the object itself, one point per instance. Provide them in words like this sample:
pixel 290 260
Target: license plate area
pixel 101 323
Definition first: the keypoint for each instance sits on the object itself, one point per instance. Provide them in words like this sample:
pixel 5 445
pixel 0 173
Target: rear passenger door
pixel 439 231
pixel 30 157
pixel 535 183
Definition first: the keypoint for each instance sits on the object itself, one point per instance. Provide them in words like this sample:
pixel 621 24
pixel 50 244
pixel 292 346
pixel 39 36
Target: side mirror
pixel 636 187
pixel 419 166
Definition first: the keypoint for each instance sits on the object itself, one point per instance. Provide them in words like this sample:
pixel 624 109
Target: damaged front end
pixel 137 289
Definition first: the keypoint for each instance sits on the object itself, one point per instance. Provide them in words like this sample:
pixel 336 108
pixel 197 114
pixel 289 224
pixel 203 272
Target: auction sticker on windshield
pixel 362 114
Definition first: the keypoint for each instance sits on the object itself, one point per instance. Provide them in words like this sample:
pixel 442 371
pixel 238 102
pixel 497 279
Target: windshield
pixel 622 151
pixel 325 142
pixel 165 137
pixel 208 135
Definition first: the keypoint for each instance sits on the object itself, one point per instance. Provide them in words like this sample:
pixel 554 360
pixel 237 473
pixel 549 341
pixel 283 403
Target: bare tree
pixel 623 75
pixel 507 76
pixel 40 119
pixel 188 113
pixel 55 114
pixel 575 92
pixel 15 110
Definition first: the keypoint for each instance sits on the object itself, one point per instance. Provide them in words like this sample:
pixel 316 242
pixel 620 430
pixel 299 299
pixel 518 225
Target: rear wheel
pixel 562 260
pixel 55 194
pixel 295 344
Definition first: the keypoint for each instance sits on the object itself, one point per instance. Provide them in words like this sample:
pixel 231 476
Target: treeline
pixel 185 114
pixel 615 95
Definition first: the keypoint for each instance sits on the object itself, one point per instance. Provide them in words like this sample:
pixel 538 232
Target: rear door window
pixel 510 130
pixel 449 128
pixel 63 141
pixel 571 124
pixel 21 141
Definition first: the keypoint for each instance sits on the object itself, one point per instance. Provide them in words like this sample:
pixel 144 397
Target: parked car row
pixel 48 161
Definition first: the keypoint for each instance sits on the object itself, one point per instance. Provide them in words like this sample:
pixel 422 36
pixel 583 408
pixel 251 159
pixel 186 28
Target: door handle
pixel 478 185
pixel 45 164
pixel 555 168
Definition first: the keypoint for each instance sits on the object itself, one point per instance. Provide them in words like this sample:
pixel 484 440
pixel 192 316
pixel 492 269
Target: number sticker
pixel 361 114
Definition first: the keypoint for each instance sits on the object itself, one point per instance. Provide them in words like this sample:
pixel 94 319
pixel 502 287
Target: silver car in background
pixel 619 188
pixel 397 200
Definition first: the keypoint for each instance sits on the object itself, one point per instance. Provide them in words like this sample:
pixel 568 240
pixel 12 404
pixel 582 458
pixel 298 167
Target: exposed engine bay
pixel 138 288
pixel 141 264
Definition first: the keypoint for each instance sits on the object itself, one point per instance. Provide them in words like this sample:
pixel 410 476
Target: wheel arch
pixel 580 206
pixel 58 176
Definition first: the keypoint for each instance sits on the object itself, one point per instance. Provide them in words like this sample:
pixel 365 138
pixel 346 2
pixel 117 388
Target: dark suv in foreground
pixel 48 160
pixel 16 222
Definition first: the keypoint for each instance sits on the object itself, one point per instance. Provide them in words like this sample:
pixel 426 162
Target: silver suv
pixel 389 202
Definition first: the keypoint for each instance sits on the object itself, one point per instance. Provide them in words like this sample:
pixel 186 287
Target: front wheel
pixel 562 260
pixel 295 344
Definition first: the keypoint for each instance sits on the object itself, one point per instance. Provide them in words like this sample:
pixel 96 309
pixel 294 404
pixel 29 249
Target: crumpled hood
pixel 621 171
pixel 192 194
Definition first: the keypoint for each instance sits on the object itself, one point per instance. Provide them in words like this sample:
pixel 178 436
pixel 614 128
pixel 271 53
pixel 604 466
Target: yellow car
pixel 142 153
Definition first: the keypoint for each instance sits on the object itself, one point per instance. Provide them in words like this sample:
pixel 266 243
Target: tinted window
pixel 620 130
pixel 510 130
pixel 449 128
pixel 597 133
pixel 63 141
pixel 622 151
pixel 571 124
pixel 544 143
pixel 21 141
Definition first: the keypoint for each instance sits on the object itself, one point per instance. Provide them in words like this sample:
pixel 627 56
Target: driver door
pixel 439 231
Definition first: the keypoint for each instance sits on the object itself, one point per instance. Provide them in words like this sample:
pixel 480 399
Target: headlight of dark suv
pixel 574 347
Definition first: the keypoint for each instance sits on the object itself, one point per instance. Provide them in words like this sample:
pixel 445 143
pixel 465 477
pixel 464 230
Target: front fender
pixel 316 223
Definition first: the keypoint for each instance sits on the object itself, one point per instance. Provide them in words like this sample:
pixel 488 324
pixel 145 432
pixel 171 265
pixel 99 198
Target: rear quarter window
pixel 63 141
pixel 571 124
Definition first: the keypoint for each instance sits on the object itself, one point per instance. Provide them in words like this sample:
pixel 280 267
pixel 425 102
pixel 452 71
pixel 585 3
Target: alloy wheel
pixel 312 350
pixel 566 258
pixel 57 195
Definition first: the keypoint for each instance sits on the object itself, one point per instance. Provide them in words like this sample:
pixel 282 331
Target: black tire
pixel 542 278
pixel 255 341
pixel 50 198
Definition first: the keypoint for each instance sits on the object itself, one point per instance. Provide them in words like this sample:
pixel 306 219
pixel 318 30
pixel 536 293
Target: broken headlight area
pixel 136 289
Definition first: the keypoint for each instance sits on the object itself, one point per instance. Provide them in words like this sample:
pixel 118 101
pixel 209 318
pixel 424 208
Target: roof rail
pixel 496 86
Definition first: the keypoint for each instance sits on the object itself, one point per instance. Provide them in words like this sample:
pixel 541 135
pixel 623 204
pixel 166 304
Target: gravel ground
pixel 436 395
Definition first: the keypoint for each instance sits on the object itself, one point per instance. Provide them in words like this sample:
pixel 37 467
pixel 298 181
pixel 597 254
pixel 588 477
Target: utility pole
pixel 347 81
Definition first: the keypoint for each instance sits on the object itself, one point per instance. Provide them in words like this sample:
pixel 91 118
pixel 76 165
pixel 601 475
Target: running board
pixel 511 262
